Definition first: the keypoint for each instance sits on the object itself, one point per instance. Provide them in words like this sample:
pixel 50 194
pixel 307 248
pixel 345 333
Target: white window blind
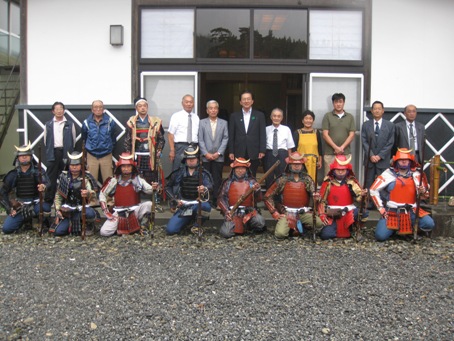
pixel 335 35
pixel 167 33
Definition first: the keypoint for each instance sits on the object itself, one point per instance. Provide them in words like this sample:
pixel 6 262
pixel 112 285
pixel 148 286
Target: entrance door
pixel 270 90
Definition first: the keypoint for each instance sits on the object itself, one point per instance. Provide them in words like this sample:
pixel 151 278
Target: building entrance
pixel 270 90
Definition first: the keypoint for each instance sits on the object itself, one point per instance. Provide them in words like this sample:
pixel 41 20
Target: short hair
pixel 246 92
pixel 187 95
pixel 212 101
pixel 308 113
pixel 97 100
pixel 337 96
pixel 410 105
pixel 58 103
pixel 279 110
pixel 378 102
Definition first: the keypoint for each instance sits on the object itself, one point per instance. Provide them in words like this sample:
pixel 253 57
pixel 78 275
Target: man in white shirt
pixel 279 144
pixel 59 139
pixel 183 131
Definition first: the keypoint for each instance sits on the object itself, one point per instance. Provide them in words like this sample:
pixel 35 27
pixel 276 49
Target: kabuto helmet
pixel 125 159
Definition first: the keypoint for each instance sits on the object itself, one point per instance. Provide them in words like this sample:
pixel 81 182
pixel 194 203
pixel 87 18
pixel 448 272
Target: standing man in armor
pixel 246 215
pixel 145 140
pixel 394 194
pixel 339 190
pixel 24 181
pixel 124 188
pixel 183 189
pixel 288 199
pixel 68 199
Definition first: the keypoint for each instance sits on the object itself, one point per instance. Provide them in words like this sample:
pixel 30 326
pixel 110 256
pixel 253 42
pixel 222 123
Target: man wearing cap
pixel 145 140
pixel 394 193
pixel 184 191
pixel 246 217
pixel 288 199
pixel 68 199
pixel 24 181
pixel 183 131
pixel 339 190
pixel 98 134
pixel 129 214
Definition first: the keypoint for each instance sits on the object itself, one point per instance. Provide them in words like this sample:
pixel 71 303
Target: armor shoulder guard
pixel 132 121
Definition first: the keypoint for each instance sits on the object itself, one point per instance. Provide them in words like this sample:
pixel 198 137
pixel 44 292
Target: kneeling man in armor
pixel 68 199
pixel 289 199
pixel 124 187
pixel 339 190
pixel 394 193
pixel 24 181
pixel 185 188
pixel 233 190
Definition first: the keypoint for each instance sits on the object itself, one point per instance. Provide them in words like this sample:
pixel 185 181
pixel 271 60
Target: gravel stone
pixel 245 288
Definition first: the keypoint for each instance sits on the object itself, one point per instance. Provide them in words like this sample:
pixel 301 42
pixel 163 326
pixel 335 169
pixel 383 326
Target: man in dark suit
pixel 409 133
pixel 377 136
pixel 247 134
pixel 213 139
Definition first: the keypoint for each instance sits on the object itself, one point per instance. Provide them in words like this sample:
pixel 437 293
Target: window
pixel 280 34
pixel 167 33
pixel 336 35
pixel 9 32
pixel 165 90
pixel 223 33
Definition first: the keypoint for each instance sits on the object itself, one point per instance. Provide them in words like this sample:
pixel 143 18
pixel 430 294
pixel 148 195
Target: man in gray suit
pixel 379 133
pixel 409 133
pixel 213 139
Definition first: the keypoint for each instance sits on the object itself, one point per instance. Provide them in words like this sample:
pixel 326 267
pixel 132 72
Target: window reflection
pixel 222 33
pixel 280 34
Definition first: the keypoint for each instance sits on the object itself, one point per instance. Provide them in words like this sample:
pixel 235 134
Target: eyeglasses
pixel 98 107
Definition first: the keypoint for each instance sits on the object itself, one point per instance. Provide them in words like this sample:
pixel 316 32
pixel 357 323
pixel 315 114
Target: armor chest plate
pixel 295 194
pixel 74 196
pixel 189 187
pixel 236 190
pixel 126 196
pixel 26 187
pixel 404 191
pixel 339 195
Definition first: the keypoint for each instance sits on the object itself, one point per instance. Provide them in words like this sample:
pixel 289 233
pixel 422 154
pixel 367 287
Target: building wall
pixel 70 58
pixel 412 53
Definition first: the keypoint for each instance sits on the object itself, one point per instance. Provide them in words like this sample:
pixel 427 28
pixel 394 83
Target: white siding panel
pixel 70 58
pixel 412 53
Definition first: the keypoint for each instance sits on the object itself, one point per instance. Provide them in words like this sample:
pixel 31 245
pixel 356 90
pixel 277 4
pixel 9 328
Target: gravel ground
pixel 245 288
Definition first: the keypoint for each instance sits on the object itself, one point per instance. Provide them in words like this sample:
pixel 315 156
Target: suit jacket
pixel 401 137
pixel 381 145
pixel 251 142
pixel 221 138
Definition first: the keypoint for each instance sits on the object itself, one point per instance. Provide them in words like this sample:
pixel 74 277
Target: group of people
pixel 195 185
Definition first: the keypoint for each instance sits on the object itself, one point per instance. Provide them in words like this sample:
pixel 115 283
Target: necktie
pixel 189 136
pixel 275 151
pixel 412 139
pixel 377 129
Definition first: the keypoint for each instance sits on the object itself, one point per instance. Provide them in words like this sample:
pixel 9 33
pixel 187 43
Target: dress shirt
pixel 379 123
pixel 213 124
pixel 414 133
pixel 246 118
pixel 284 137
pixel 178 126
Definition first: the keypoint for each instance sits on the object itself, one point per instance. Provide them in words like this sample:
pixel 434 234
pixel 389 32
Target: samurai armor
pixel 128 224
pixel 400 222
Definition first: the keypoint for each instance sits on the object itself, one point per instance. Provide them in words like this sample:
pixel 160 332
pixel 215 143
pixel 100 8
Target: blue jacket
pixel 99 138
